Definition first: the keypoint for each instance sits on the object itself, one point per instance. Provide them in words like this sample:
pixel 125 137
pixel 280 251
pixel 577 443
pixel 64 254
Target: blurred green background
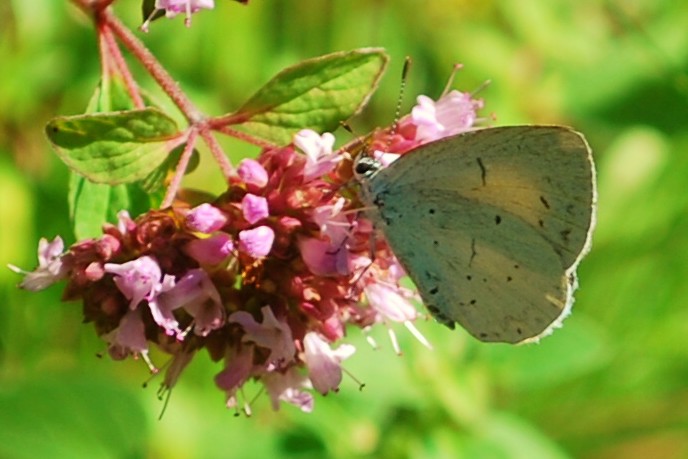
pixel 612 383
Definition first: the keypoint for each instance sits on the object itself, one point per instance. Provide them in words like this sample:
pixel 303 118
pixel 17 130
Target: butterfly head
pixel 365 167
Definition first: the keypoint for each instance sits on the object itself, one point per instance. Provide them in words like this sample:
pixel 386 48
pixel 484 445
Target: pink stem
pixel 92 6
pixel 224 120
pixel 183 163
pixel 105 68
pixel 167 83
pixel 106 20
pixel 123 68
pixel 216 150
pixel 156 70
pixel 243 136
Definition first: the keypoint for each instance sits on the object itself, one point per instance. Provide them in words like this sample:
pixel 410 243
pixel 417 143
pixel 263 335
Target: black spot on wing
pixel 544 202
pixel 437 314
pixel 473 252
pixel 483 171
pixel 379 200
pixel 498 219
pixel 431 276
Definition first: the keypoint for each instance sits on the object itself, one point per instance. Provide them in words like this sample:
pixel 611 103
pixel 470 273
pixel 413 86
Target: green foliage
pixel 316 94
pixel 114 147
pixel 610 384
pixel 79 420
pixel 97 203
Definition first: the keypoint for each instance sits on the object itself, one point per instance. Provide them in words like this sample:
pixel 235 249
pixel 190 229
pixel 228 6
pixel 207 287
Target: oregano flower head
pixel 267 277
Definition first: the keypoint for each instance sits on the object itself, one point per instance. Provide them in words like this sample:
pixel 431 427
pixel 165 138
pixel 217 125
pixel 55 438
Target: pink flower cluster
pixel 265 278
pixel 174 7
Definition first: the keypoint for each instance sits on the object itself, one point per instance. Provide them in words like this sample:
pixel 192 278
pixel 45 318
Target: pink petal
pixel 257 242
pixel 322 259
pixel 129 337
pixel 238 367
pixel 50 267
pixel 205 218
pixel 453 113
pixel 271 334
pixel 324 364
pixel 212 250
pixel 137 279
pixel 125 224
pixel 196 293
pixel 140 280
pixel 252 173
pixel 390 303
pixel 254 208
pixel 318 149
pixel 287 387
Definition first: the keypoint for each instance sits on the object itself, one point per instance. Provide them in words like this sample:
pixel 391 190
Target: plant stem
pixel 122 67
pixel 179 171
pixel 242 136
pixel 156 70
pixel 109 26
pixel 170 86
pixel 217 151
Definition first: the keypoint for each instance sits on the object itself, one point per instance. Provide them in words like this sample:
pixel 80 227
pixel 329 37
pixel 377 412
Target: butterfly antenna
pixel 402 88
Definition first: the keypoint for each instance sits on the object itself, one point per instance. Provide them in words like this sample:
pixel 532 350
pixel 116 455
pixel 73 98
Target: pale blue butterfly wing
pixel 490 225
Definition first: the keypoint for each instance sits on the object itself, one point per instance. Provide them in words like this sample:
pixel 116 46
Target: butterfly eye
pixel 366 167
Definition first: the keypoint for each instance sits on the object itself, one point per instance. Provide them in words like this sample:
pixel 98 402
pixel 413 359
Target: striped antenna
pixel 402 88
pixel 397 111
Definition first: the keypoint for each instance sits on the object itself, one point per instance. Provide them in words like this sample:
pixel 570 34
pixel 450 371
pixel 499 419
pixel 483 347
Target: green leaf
pixel 317 94
pixel 93 204
pixel 110 95
pixel 155 181
pixel 116 147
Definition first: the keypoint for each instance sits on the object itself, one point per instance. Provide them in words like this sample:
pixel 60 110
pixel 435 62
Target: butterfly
pixel 489 224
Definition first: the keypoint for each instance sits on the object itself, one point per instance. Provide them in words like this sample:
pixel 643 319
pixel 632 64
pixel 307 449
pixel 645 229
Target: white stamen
pixel 17 269
pixel 185 332
pixel 247 404
pixel 146 358
pixel 419 336
pixel 372 342
pixel 393 339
